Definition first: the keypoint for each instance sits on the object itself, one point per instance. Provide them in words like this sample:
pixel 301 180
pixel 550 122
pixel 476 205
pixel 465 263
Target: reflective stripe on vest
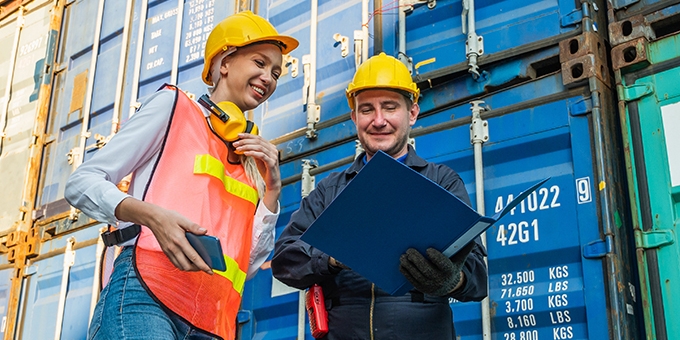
pixel 209 165
pixel 233 274
pixel 193 178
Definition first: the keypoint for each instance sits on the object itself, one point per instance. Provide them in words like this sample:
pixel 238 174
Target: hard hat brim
pixel 286 43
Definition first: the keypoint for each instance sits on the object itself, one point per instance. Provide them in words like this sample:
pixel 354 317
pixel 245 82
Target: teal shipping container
pixel 646 60
pixel 512 92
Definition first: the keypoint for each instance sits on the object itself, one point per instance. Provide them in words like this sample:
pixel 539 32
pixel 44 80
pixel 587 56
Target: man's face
pixel 383 121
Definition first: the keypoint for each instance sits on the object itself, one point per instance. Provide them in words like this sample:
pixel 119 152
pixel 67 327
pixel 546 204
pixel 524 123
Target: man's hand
pixel 335 263
pixel 438 276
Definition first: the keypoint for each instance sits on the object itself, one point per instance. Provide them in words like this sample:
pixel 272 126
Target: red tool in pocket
pixel 316 309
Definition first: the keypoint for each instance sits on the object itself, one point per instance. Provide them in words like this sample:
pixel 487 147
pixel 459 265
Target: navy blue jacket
pixel 348 294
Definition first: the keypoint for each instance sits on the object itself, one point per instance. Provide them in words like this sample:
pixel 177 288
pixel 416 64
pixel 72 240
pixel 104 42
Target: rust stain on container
pixel 78 94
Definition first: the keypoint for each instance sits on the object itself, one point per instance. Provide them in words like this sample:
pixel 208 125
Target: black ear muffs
pixel 227 120
pixel 251 128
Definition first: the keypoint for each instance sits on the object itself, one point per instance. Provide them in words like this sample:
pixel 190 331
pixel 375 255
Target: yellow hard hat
pixel 239 30
pixel 381 71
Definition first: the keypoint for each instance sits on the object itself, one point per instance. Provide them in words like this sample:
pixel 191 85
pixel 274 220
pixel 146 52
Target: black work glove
pixel 333 263
pixel 437 276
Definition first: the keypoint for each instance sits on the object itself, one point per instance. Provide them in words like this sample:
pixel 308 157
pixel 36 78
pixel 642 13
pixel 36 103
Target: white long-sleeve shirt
pixel 134 149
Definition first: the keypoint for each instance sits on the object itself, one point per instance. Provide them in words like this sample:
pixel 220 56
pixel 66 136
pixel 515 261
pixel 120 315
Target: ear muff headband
pixel 205 101
pixel 227 120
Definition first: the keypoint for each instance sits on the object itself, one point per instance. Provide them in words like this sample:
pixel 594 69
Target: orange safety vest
pixel 192 176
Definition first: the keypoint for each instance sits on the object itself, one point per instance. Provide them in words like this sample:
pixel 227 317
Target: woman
pixel 196 169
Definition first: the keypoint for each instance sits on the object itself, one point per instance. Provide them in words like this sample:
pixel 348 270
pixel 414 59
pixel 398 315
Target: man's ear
pixel 353 115
pixel 413 114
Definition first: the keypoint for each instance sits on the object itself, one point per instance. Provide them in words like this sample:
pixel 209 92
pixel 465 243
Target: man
pixel 383 99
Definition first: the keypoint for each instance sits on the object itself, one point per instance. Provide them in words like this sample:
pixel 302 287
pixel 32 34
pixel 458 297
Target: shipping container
pixel 28 40
pixel 646 60
pixel 562 265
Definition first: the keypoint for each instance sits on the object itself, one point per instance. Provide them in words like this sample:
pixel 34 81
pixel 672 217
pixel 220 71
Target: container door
pixel 84 108
pixel 543 281
pixel 653 120
pixel 316 73
pixel 540 283
pixel 5 285
pixel 58 288
pixel 24 39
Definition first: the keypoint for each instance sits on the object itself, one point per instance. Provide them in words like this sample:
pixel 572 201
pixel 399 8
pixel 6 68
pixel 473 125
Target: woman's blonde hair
pixel 248 163
pixel 253 174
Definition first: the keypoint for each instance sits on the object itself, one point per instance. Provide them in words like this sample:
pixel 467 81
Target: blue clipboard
pixel 388 208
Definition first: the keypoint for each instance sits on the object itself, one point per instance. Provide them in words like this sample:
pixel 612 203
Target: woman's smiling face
pixel 251 74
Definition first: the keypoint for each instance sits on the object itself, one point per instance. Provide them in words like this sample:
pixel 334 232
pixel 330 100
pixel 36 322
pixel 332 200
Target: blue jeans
pixel 126 311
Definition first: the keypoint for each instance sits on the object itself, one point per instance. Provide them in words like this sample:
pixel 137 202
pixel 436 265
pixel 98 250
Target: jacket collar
pixel 412 161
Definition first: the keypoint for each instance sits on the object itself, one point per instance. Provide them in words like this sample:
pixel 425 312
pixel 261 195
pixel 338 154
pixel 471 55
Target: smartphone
pixel 210 250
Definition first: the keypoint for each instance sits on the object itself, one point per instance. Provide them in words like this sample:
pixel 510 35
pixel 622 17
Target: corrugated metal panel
pixel 650 103
pixel 18 104
pixel 286 111
pixel 58 288
pixel 505 27
pixel 160 43
pixel 67 103
pixel 5 286
pixel 628 8
pixel 510 28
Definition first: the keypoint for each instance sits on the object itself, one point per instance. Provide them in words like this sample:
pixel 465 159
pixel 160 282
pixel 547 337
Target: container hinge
pixel 309 97
pixel 313 116
pixel 654 238
pixel 30 270
pixel 246 324
pixel 479 128
pixel 243 316
pixel 290 61
pixel 308 181
pixel 343 41
pixel 572 18
pixel 100 141
pixel 634 92
pixel 580 107
pixel 598 248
